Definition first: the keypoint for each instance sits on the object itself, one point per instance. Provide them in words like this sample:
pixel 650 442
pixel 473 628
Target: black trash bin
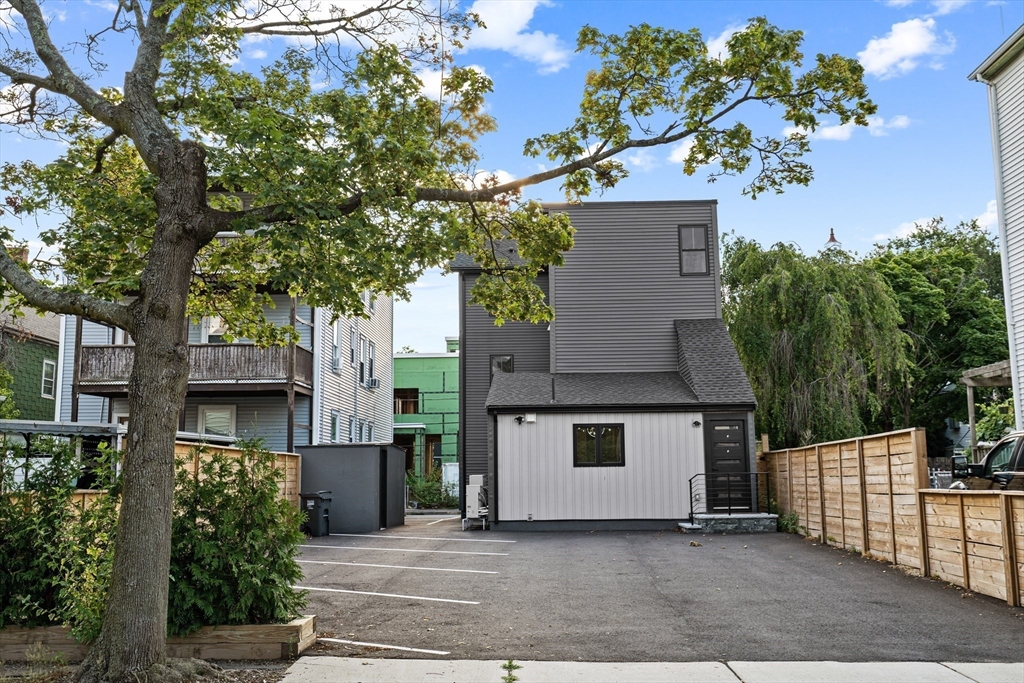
pixel 317 507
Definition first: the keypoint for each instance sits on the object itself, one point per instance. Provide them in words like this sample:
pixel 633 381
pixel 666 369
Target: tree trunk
pixel 131 645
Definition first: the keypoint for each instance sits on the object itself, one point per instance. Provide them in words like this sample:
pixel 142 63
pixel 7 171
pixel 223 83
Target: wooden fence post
pixel 892 507
pixel 842 499
pixel 922 533
pixel 963 544
pixel 862 486
pixel 807 497
pixel 789 480
pixel 1009 551
pixel 821 493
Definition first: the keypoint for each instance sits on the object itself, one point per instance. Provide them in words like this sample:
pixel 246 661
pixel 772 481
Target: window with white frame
pixel 351 429
pixel 122 338
pixel 362 359
pixel 336 347
pixel 335 426
pixel 362 431
pixel 214 330
pixel 371 300
pixel 353 344
pixel 371 355
pixel 217 420
pixel 369 432
pixel 49 379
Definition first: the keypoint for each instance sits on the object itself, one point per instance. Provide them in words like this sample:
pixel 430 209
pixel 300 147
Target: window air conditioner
pixel 372 383
pixel 336 365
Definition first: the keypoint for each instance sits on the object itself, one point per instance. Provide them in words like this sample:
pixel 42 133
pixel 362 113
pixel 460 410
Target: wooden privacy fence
pixel 288 488
pixel 870 495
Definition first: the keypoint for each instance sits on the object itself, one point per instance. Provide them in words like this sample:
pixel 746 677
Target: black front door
pixel 728 480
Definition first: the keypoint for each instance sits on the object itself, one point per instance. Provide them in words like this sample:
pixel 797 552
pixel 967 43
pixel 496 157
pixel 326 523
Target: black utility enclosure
pixel 366 480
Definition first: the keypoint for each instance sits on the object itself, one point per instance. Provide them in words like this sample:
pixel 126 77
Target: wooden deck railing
pixel 112 364
pixel 870 495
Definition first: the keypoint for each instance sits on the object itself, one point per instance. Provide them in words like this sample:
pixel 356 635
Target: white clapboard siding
pixel 1009 104
pixel 536 474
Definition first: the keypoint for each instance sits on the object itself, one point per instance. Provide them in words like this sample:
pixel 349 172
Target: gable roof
pixel 505 249
pixel 709 363
pixel 1003 55
pixel 710 374
pixel 45 328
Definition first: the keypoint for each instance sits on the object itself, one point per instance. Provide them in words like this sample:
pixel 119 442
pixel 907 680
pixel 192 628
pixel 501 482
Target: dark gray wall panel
pixel 481 339
pixel 352 474
pixel 620 287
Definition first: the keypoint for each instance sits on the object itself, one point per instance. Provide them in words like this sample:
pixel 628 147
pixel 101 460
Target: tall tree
pixel 360 185
pixel 818 336
pixel 948 286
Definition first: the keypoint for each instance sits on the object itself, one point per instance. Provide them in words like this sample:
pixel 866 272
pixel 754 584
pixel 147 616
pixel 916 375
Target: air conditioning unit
pixel 372 383
pixel 336 365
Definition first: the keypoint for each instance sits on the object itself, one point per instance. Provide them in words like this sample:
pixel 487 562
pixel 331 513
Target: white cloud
pixel 902 230
pixel 108 5
pixel 681 151
pixel 642 159
pixel 716 46
pixel 948 6
pixel 507 30
pixel 257 54
pixel 8 15
pixel 431 81
pixel 877 127
pixel 990 219
pixel 900 51
pixel 898 3
pixel 484 178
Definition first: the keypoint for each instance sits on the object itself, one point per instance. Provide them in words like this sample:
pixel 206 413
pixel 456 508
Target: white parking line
pixel 385 595
pixel 398 566
pixel 427 538
pixel 399 550
pixel 385 647
pixel 438 521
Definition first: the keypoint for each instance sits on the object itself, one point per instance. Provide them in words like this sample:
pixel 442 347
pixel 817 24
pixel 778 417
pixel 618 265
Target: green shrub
pixel 35 512
pixel 430 491
pixel 995 420
pixel 234 543
pixel 790 522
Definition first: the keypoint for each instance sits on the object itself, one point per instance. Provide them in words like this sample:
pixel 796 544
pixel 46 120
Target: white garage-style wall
pixel 536 476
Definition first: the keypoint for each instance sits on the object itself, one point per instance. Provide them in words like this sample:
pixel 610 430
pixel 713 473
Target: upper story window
pixel 693 250
pixel 371 360
pixel 407 401
pixel 502 364
pixel 336 347
pixel 371 300
pixel 598 446
pixel 351 429
pixel 217 420
pixel 121 337
pixel 214 330
pixel 49 379
pixel 353 343
pixel 363 343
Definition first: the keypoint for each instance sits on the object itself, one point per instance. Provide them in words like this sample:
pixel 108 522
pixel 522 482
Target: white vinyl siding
pixel 536 474
pixel 1009 114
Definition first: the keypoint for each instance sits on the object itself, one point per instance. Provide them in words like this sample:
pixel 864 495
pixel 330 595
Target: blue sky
pixel 927 154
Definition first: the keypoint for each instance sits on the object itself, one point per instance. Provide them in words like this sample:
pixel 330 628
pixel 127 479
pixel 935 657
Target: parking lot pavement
pixel 429 589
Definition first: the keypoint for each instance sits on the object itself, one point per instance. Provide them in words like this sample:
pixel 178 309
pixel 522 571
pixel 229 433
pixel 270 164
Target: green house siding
pixel 24 360
pixel 436 378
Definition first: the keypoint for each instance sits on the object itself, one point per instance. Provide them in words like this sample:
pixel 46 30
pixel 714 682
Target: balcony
pixel 105 368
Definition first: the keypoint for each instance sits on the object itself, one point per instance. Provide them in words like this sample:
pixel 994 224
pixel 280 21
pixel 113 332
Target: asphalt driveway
pixel 435 590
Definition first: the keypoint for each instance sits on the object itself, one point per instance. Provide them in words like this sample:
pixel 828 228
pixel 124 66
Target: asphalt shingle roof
pixel 710 373
pixel 709 363
pixel 505 250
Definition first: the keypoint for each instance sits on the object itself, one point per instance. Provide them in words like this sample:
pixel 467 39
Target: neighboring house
pixel 604 415
pixel 328 388
pixel 1003 72
pixel 29 350
pixel 427 407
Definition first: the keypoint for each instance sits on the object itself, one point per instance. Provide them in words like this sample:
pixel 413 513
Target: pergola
pixel 993 375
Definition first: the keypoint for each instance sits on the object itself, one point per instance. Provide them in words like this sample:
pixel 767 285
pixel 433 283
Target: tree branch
pixel 101 151
pixel 20 77
pixel 46 299
pixel 62 80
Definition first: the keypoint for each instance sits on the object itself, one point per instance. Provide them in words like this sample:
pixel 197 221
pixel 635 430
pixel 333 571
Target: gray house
pixel 1003 73
pixel 602 418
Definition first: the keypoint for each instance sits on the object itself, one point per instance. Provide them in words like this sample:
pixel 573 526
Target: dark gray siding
pixel 620 288
pixel 481 339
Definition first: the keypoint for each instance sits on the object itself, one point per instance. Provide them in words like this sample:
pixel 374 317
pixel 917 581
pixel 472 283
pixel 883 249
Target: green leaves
pixel 818 336
pixel 661 86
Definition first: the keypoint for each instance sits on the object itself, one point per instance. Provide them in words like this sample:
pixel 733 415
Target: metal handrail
pixel 751 482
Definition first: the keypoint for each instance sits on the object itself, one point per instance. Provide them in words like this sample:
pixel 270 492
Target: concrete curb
pixel 310 669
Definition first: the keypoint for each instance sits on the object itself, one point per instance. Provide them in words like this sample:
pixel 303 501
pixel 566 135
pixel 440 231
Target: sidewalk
pixel 317 669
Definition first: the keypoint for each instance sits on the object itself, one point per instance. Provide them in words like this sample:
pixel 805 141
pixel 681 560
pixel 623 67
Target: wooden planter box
pixel 264 641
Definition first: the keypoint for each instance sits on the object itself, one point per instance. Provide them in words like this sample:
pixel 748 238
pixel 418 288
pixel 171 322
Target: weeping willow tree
pixel 819 337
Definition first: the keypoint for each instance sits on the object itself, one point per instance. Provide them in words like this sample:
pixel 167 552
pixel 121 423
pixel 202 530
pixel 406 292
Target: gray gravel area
pixel 641 596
